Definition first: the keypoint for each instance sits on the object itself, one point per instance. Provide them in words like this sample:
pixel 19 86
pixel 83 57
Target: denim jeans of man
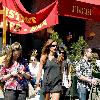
pixel 83 93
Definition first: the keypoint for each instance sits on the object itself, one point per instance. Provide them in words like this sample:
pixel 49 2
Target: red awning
pixel 0 1
pixel 85 9
pixel 95 2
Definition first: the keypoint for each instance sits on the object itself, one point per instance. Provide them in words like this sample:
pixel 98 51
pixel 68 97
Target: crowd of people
pixel 50 76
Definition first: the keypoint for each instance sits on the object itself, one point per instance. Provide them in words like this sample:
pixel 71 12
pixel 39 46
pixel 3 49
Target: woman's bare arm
pixel 42 61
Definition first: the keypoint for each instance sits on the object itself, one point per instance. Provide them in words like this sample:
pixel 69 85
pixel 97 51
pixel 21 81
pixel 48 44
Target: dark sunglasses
pixel 53 45
pixel 17 49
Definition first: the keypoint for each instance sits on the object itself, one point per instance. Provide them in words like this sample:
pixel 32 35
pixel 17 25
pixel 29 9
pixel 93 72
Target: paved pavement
pixel 1 95
pixel 34 98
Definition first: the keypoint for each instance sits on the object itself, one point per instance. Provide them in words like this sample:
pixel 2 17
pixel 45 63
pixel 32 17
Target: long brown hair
pixel 9 55
pixel 46 49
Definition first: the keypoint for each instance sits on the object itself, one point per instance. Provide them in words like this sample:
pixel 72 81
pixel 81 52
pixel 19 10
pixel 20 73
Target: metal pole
pixel 4 27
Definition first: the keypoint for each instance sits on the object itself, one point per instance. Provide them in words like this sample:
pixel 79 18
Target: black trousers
pixel 14 95
pixel 64 94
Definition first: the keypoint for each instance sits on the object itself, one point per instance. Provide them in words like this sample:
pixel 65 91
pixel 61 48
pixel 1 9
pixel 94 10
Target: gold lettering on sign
pixel 7 11
pixel 13 14
pixel 17 16
pixel 29 20
pixel 12 25
pixel 81 10
pixel 36 27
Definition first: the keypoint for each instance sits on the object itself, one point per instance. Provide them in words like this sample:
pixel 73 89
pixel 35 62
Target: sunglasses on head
pixel 33 60
pixel 53 45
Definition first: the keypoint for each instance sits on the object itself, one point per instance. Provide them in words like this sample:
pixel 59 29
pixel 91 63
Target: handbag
pixel 65 79
pixel 31 91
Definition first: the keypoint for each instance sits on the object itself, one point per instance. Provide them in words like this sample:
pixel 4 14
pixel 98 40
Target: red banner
pixel 18 17
pixel 79 9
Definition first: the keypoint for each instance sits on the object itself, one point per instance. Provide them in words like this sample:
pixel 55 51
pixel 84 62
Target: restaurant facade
pixel 88 12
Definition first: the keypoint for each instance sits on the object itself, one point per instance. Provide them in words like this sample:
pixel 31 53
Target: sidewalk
pixel 1 95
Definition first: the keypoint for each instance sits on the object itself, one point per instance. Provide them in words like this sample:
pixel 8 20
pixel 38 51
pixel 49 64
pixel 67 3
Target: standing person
pixel 52 79
pixel 84 74
pixel 15 74
pixel 66 71
pixel 34 69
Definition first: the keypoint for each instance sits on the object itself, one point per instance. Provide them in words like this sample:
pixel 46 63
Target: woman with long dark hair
pixel 52 79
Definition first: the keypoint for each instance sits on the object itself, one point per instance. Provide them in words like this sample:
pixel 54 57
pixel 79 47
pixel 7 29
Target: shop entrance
pixel 70 29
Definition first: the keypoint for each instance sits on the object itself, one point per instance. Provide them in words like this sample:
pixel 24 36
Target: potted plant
pixel 75 55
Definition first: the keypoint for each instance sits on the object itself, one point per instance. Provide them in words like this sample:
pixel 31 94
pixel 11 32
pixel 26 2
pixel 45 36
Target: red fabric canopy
pixel 0 1
pixel 80 9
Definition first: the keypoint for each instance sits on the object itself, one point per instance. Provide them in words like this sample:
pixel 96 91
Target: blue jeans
pixel 33 82
pixel 83 93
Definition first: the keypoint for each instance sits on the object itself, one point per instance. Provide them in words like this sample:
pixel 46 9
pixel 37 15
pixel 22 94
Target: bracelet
pixel 11 75
pixel 38 85
pixel 69 80
pixel 22 73
pixel 90 80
